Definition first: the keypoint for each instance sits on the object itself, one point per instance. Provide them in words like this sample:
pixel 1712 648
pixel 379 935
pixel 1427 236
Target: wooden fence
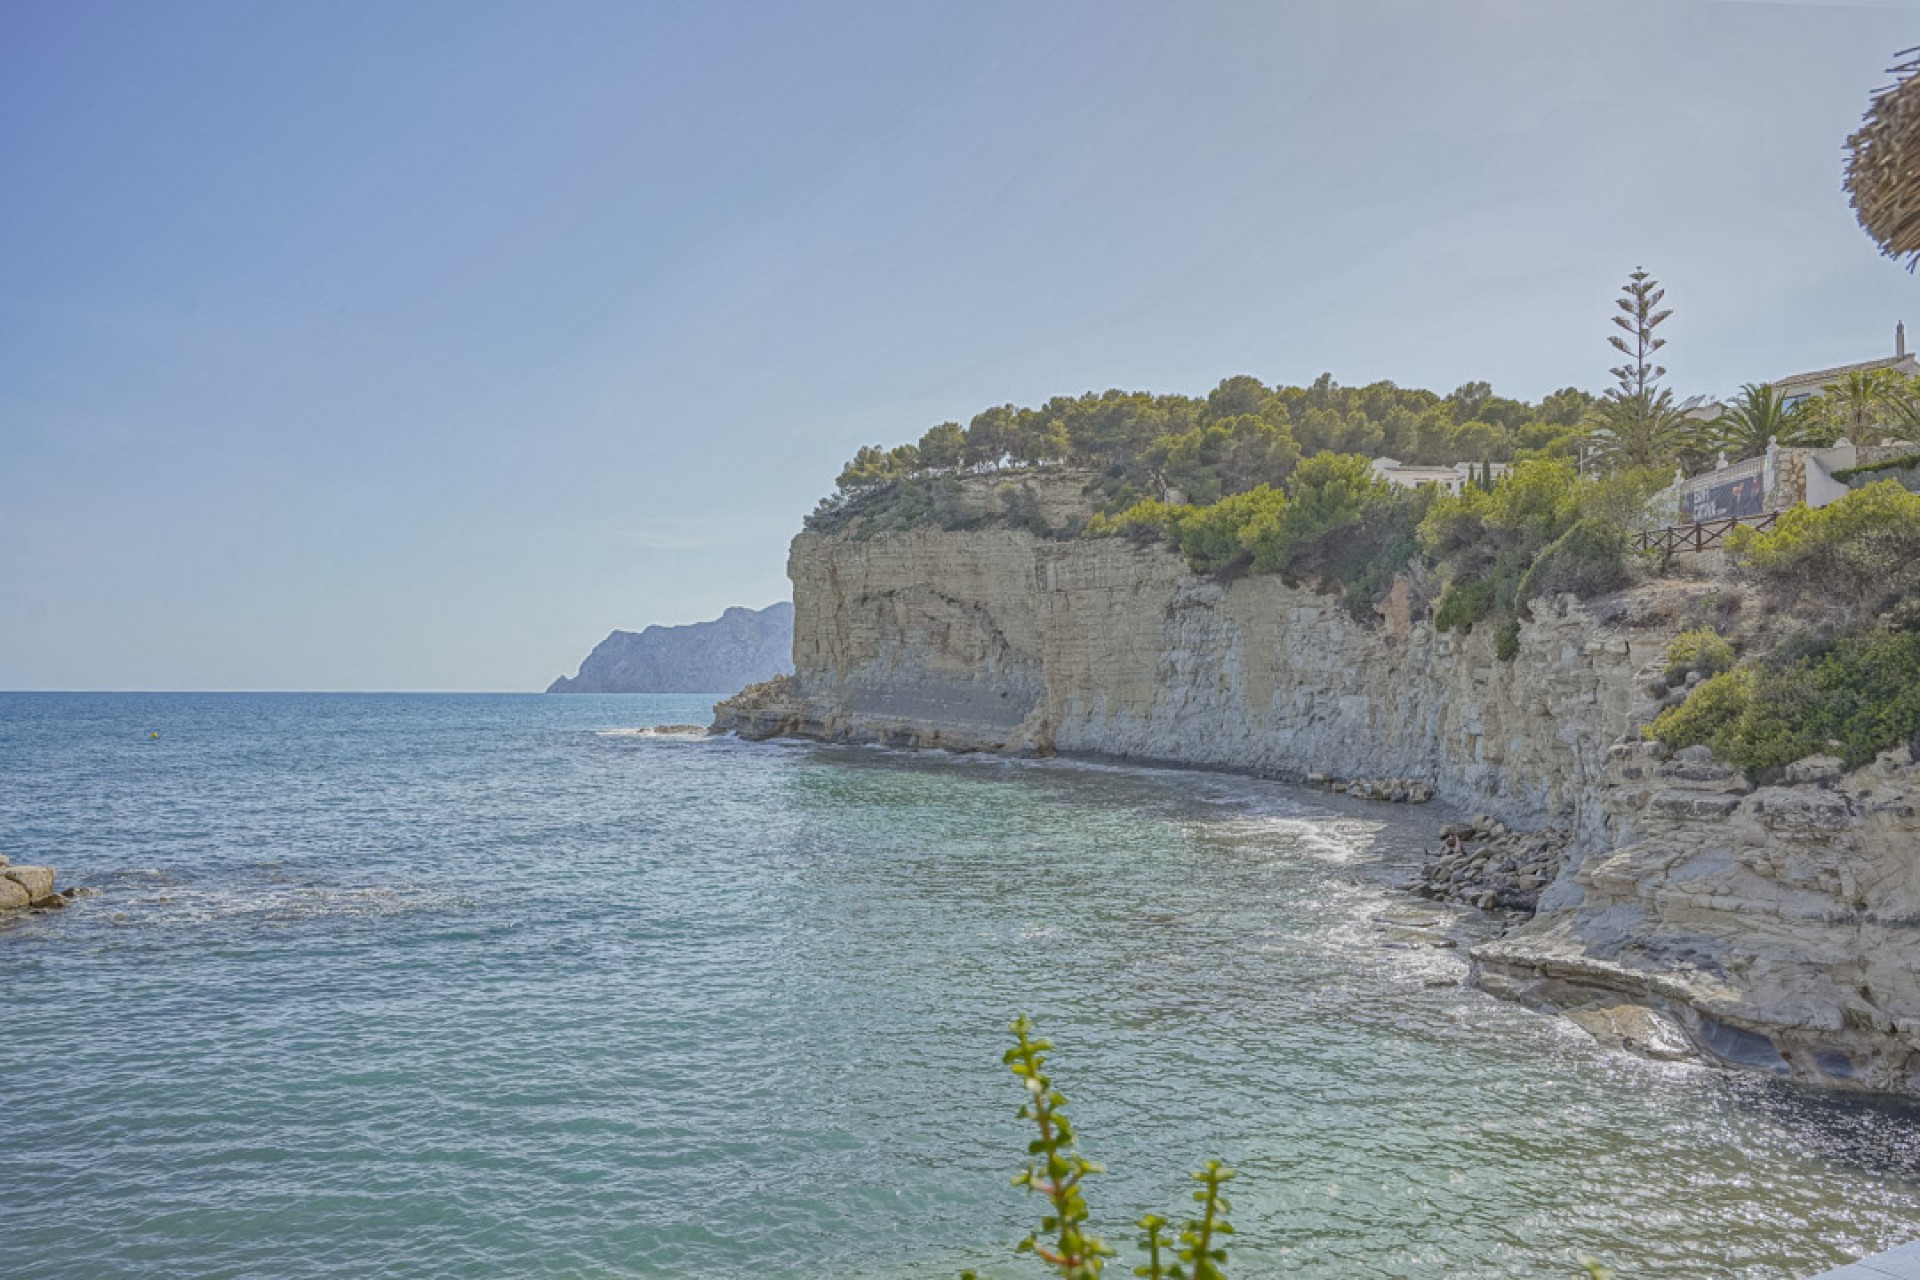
pixel 1708 535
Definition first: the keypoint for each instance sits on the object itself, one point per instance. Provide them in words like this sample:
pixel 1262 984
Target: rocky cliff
pixel 1771 927
pixel 737 648
pixel 995 640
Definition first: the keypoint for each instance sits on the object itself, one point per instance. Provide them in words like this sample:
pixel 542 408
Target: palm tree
pixel 1857 404
pixel 1903 407
pixel 1638 429
pixel 1757 416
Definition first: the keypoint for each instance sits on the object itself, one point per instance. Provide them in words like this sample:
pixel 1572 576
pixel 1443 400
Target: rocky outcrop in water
pixel 737 648
pixel 28 886
pixel 1681 909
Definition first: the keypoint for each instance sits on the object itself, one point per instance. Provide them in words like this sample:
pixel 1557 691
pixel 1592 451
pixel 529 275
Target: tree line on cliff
pixel 1254 479
pixel 1240 435
pixel 1244 434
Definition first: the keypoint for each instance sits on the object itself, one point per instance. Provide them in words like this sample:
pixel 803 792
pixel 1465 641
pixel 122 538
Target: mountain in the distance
pixel 739 648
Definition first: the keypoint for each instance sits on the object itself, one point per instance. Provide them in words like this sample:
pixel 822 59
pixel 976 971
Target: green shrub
pixel 1900 463
pixel 1623 498
pixel 1360 560
pixel 1858 556
pixel 1702 649
pixel 1328 491
pixel 1710 716
pixel 1464 604
pixel 1589 559
pixel 1057 1172
pixel 1526 509
pixel 1143 522
pixel 1506 641
pixel 1213 538
pixel 1858 698
pixel 1020 507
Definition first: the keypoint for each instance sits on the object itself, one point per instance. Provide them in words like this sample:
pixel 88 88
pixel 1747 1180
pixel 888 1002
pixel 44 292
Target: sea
pixel 514 986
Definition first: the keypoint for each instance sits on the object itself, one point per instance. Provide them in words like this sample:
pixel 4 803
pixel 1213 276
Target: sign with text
pixel 1743 496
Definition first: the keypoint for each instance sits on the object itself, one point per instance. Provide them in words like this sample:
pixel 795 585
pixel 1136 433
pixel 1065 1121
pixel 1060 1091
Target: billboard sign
pixel 1745 496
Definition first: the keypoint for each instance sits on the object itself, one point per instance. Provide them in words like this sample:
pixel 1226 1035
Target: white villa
pixel 1411 475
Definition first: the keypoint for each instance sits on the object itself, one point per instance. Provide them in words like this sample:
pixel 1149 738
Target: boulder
pixel 12 895
pixel 1816 769
pixel 1636 1029
pixel 37 881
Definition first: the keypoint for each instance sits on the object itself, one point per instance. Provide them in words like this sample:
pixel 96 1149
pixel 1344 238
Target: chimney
pixel 1900 338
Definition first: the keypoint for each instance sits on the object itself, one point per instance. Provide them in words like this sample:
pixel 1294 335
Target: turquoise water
pixel 393 986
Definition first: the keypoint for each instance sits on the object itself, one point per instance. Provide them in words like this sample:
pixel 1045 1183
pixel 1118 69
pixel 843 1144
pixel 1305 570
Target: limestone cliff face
pixel 996 640
pixel 1776 928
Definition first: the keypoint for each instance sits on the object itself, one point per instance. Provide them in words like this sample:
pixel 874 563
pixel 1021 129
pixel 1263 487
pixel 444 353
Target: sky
pixel 376 346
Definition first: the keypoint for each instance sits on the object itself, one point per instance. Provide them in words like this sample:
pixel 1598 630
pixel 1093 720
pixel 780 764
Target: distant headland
pixel 740 647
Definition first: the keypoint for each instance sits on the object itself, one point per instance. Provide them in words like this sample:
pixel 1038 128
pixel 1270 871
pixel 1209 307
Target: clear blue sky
pixel 368 346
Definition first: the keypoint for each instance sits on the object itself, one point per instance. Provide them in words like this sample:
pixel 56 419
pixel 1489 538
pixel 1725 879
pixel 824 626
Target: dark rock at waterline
pixel 1485 864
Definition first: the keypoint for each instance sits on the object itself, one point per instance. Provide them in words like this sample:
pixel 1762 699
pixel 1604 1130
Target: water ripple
pixel 509 987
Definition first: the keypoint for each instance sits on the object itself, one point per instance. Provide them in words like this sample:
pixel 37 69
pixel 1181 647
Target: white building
pixel 1411 475
pixel 1796 388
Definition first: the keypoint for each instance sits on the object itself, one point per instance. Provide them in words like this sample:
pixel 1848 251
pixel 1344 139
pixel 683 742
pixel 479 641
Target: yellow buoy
pixel 154 734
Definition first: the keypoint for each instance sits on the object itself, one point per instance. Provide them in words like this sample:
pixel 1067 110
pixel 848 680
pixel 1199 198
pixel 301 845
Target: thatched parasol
pixel 1883 164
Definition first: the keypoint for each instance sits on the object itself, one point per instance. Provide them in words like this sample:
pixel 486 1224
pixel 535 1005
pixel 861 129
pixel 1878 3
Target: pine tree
pixel 1640 295
pixel 1637 424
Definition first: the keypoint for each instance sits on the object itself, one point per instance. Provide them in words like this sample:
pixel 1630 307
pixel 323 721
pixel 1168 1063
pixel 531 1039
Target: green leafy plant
pixel 1463 605
pixel 1589 559
pixel 1701 649
pixel 1759 416
pixel 1856 698
pixel 1506 641
pixel 1867 405
pixel 1854 558
pixel 1904 462
pixel 1056 1172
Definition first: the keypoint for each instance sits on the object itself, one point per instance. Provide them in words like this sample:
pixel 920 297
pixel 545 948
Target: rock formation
pixel 1681 909
pixel 1777 926
pixel 737 648
pixel 993 639
pixel 25 886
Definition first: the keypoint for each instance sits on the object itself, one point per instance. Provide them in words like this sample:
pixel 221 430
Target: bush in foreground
pixel 1064 1242
pixel 1589 559
pixel 1057 1172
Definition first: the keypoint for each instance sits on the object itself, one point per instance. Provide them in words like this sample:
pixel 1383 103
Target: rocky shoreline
pixel 1773 925
pixel 1484 863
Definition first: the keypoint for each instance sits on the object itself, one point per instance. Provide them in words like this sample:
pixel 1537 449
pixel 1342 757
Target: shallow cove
pixel 478 986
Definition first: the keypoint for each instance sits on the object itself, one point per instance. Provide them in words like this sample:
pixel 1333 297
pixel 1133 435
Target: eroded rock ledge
pixel 1682 909
pixel 1778 927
